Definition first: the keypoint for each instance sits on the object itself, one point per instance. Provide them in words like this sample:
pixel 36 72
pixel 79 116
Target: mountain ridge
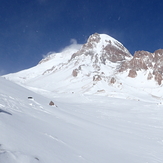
pixel 101 65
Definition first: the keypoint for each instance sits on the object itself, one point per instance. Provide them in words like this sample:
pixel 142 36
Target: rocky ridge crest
pixel 152 63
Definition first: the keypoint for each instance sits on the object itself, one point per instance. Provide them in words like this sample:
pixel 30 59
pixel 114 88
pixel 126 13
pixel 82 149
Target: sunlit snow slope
pixel 79 129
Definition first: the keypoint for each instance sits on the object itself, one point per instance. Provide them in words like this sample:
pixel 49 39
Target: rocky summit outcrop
pixel 99 51
pixel 103 48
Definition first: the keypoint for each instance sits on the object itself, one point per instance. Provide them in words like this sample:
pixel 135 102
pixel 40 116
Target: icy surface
pixel 78 128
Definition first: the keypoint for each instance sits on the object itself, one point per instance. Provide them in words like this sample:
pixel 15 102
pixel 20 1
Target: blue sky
pixel 30 29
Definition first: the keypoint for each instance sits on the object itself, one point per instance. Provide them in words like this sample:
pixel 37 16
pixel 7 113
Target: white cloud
pixel 48 54
pixel 2 72
pixel 73 45
pixel 73 41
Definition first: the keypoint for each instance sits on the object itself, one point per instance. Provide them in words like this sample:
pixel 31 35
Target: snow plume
pixel 48 54
pixel 73 46
pixel 73 41
pixel 2 72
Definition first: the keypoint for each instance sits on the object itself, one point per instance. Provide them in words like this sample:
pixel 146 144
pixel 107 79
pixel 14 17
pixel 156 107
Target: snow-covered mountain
pixel 100 66
pixel 123 126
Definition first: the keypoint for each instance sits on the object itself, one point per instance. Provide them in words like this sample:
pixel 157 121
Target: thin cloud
pixel 48 54
pixel 73 45
pixel 73 41
pixel 2 72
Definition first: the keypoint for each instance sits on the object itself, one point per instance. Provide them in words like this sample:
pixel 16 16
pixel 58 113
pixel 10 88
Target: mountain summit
pixel 102 64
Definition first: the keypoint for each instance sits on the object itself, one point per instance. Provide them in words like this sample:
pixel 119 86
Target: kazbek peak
pixel 99 63
pixel 104 48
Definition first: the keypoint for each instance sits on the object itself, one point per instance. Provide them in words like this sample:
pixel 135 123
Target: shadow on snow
pixel 2 111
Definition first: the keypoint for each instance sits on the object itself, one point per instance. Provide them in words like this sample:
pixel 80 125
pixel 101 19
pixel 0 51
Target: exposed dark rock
pixel 94 38
pixel 101 91
pixel 49 70
pixel 51 103
pixel 97 78
pixel 113 80
pixel 132 74
pixel 150 76
pixel 158 78
pixel 142 61
pixel 75 72
pixel 114 54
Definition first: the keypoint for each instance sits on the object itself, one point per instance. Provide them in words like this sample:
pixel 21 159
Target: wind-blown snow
pixel 79 129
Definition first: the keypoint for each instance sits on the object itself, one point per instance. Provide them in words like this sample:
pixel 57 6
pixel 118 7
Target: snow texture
pixel 80 128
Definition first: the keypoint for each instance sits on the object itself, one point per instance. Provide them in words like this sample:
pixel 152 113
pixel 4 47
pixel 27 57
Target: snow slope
pixel 79 129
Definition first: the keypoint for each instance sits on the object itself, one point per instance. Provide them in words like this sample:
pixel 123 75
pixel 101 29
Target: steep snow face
pixel 81 129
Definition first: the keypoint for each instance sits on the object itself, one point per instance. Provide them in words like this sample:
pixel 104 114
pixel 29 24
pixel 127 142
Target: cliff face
pixel 145 61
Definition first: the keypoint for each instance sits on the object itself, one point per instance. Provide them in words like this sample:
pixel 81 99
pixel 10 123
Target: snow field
pixel 82 128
